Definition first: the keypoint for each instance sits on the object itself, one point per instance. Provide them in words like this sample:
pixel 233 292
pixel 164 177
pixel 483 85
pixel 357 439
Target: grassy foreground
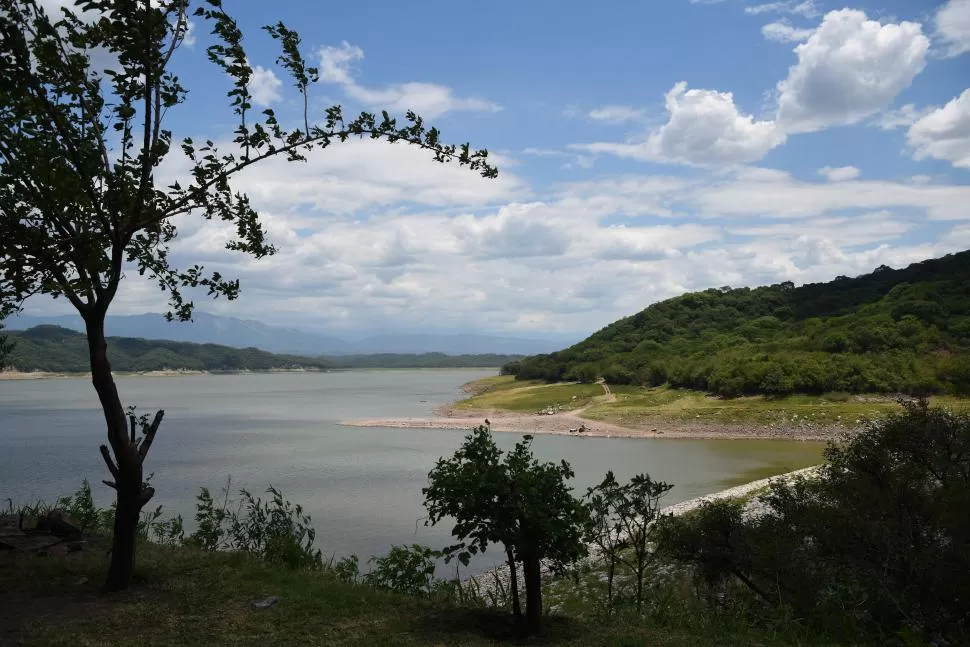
pixel 184 596
pixel 634 406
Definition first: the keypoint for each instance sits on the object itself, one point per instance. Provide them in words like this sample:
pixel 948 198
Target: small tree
pixel 622 521
pixel 78 198
pixel 514 500
pixel 637 509
pixel 605 529
pixel 472 487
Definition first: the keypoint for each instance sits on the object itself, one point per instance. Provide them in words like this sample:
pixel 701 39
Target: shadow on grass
pixel 493 625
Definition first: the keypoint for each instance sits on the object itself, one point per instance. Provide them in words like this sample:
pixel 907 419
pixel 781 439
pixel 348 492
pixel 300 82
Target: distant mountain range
pixel 244 333
pixel 61 350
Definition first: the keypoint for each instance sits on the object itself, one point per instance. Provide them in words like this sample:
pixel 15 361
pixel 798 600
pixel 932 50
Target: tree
pixel 622 522
pixel 514 500
pixel 876 542
pixel 79 143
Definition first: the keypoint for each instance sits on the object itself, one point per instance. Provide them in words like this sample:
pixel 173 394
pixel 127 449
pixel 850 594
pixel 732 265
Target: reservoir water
pixel 362 487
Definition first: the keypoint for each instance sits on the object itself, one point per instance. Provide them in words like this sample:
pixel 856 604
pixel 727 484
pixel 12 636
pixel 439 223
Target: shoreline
pixel 446 418
pixel 58 375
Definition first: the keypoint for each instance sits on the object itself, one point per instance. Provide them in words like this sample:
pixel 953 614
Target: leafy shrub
pixel 274 530
pixel 877 543
pixel 405 569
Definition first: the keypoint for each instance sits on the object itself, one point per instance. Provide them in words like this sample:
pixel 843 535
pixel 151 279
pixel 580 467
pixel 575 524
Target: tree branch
pixel 146 443
pixel 183 204
pixel 106 455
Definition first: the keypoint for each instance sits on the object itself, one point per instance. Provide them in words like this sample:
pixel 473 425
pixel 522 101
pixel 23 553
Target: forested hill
pixel 57 349
pixel 905 330
pixel 60 350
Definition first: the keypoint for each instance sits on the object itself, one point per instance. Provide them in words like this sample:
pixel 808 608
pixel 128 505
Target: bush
pixel 275 530
pixel 405 569
pixel 877 543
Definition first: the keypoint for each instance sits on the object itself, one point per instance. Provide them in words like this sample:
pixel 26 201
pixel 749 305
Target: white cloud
pixel 904 116
pixel 264 86
pixel 785 197
pixel 862 229
pixel 839 173
pixel 586 254
pixel 944 133
pixel 804 8
pixel 335 63
pixel 705 127
pixel 953 26
pixel 849 69
pixel 782 31
pixel 616 114
pixel 426 99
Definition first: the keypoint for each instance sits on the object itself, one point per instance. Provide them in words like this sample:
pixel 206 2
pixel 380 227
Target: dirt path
pixel 606 391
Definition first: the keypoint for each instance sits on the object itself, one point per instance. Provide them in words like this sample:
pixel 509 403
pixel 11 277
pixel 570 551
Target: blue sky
pixel 645 149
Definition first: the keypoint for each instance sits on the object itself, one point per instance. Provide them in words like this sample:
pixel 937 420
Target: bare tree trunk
pixel 514 586
pixel 124 460
pixel 532 574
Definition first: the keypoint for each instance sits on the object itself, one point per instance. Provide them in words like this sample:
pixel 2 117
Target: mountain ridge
pixel 208 328
pixel 55 349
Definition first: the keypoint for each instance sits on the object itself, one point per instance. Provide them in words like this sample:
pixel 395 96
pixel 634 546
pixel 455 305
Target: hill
pixel 905 330
pixel 57 349
pixel 61 350
pixel 207 328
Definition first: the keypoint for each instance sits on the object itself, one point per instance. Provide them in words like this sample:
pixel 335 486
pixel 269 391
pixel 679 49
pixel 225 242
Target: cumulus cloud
pixel 839 173
pixel 704 127
pixel 264 86
pixel 781 196
pixel 427 99
pixel 783 31
pixel 953 27
pixel 849 69
pixel 804 8
pixel 944 133
pixel 553 264
pixel 616 114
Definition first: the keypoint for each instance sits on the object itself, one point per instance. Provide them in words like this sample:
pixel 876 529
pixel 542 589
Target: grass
pixel 183 596
pixel 503 392
pixel 635 406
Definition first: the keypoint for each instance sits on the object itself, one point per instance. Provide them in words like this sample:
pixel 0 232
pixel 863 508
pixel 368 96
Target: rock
pixel 266 603
pixel 53 533
pixel 59 524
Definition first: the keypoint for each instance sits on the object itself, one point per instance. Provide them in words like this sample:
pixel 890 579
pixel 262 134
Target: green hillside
pixel 56 349
pixel 905 330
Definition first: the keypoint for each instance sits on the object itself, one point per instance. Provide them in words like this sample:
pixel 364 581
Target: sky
pixel 645 149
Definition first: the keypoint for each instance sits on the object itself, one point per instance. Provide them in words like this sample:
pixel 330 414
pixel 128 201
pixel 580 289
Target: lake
pixel 361 486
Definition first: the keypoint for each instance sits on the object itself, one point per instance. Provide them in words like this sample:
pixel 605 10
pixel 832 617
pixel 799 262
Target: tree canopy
pixel 889 331
pixel 509 499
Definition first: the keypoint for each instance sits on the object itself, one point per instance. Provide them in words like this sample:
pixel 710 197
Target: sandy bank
pixel 562 423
